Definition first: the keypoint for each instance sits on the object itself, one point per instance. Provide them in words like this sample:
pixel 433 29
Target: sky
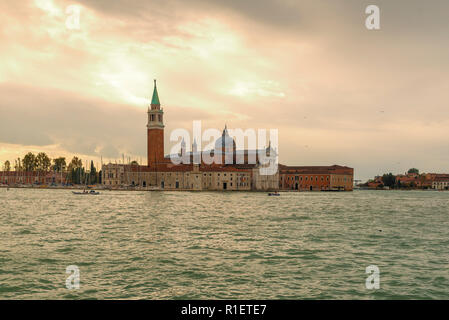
pixel 338 93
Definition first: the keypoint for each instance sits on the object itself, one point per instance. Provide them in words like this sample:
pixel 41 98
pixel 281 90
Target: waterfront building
pixel 161 173
pixel 32 178
pixel 441 182
pixel 316 178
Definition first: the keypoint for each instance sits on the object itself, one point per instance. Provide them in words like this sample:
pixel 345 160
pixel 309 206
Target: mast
pixel 101 159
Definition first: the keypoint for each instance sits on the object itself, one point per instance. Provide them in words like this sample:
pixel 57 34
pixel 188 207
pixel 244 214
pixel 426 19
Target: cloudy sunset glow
pixel 337 92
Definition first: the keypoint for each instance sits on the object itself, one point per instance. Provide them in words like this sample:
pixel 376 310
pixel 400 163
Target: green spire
pixel 155 99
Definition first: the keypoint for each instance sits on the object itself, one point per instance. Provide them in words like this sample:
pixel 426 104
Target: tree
pixel 43 162
pixel 29 162
pixel 18 165
pixel 59 164
pixel 93 173
pixel 75 163
pixel 76 172
pixel 389 180
pixel 413 170
pixel 7 166
pixel 134 163
pixel 77 175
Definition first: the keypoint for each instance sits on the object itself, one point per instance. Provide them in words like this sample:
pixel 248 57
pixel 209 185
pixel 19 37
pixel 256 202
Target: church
pixel 161 173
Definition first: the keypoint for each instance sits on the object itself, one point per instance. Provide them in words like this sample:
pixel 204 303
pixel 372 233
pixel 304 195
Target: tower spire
pixel 155 98
pixel 155 136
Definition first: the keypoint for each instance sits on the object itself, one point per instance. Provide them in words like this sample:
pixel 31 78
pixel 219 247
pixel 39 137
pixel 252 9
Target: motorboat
pixel 91 192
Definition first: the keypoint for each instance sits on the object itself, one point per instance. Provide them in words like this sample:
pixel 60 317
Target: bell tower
pixel 155 130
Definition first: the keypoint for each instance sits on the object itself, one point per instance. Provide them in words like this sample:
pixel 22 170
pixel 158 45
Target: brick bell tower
pixel 155 131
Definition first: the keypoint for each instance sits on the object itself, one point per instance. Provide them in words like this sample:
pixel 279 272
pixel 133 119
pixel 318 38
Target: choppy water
pixel 188 245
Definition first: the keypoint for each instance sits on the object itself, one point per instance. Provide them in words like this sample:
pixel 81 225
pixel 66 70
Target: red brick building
pixel 31 177
pixel 316 178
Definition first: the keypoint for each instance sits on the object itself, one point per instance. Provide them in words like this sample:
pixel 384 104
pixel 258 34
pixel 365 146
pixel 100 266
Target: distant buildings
pixel 438 181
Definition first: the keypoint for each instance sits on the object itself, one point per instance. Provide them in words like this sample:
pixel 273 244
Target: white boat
pixel 91 192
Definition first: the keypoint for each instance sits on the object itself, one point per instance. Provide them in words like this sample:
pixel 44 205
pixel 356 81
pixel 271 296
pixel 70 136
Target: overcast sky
pixel 338 93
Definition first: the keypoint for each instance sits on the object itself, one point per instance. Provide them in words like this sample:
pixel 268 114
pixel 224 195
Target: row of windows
pixel 153 117
pixel 111 174
pixel 340 179
pixel 300 178
pixel 289 178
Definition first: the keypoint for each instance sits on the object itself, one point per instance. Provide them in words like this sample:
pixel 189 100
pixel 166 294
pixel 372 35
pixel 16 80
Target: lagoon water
pixel 199 245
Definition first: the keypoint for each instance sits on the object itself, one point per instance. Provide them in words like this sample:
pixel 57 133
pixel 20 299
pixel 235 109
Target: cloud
pixel 337 92
pixel 42 117
pixel 45 117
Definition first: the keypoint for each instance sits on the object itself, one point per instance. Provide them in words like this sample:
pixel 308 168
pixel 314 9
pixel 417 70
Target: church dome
pixel 225 142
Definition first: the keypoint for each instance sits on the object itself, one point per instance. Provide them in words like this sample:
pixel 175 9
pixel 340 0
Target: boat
pixel 91 192
pixel 274 194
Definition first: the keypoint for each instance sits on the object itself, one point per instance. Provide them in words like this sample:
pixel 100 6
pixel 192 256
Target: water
pixel 199 245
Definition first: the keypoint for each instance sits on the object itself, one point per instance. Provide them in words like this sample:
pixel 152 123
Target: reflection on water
pixel 192 245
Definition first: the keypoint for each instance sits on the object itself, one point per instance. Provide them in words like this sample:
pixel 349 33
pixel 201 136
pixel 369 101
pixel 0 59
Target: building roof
pixel 441 178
